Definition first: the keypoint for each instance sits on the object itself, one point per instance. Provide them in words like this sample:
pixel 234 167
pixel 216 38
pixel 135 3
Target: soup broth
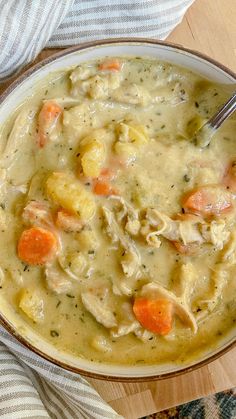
pixel 117 232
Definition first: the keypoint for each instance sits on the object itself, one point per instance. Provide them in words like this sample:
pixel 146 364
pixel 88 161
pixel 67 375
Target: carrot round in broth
pixel 37 246
pixel 208 200
pixel 103 188
pixel 47 119
pixel 154 315
pixel 68 222
pixel 110 64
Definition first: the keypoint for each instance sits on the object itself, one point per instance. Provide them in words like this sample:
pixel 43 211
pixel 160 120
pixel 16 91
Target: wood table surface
pixel 209 26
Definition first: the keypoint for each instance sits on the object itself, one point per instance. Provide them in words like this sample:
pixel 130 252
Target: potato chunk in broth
pixel 117 233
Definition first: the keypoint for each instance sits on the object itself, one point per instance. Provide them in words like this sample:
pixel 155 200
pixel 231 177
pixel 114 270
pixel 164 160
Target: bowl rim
pixel 4 322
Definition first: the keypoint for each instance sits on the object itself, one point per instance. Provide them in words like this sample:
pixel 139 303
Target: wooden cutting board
pixel 209 28
pixel 134 400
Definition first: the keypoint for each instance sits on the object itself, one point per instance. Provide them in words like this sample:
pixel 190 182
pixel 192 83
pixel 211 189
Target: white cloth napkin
pixel 27 26
pixel 29 386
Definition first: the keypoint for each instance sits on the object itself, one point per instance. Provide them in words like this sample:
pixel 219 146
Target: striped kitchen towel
pixel 31 387
pixel 28 26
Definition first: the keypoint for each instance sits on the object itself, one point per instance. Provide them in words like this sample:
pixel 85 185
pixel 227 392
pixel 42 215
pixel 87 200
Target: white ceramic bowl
pixel 18 92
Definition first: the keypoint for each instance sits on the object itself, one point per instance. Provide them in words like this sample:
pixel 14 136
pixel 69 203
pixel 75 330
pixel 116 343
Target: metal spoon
pixel 204 135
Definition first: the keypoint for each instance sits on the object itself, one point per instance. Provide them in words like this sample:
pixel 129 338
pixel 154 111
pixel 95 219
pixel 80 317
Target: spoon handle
pixel 224 112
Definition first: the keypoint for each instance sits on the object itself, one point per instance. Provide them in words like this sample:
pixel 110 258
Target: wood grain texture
pixel 208 27
pixel 134 400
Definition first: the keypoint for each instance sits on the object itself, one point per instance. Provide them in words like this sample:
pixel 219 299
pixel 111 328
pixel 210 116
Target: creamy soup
pixel 117 232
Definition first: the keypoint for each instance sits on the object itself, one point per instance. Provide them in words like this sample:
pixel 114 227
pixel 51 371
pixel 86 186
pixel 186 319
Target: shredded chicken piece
pixel 133 94
pixel 112 228
pixel 229 253
pixel 16 138
pixel 130 260
pixel 192 230
pixel 186 277
pixel 3 177
pixel 3 219
pixel 125 328
pixel 129 214
pixel 186 231
pixel 155 290
pixel 122 287
pixel 2 276
pixel 175 96
pixel 37 213
pixel 215 233
pixel 99 309
pixel 82 72
pixel 57 280
pixel 65 101
pixel 143 335
pixel 219 280
pixel 99 86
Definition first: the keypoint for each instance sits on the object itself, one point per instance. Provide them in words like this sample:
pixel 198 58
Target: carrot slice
pixel 47 119
pixel 111 64
pixel 68 222
pixel 229 179
pixel 103 188
pixel 208 200
pixel 37 246
pixel 154 315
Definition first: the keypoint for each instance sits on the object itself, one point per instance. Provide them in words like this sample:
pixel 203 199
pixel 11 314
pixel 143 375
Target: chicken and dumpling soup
pixel 118 233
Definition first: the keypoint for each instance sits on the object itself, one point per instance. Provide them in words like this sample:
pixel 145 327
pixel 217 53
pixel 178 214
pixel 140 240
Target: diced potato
pixel 88 240
pixel 32 305
pixel 92 156
pixel 130 139
pixel 66 190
